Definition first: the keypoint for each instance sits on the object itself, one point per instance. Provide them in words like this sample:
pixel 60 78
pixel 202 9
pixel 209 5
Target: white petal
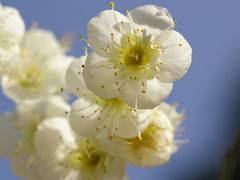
pixel 84 119
pixel 51 139
pixel 89 118
pixel 116 171
pixel 74 78
pixel 171 112
pixel 100 79
pixel 130 125
pixel 22 169
pixel 100 29
pixel 5 55
pixel 152 18
pixel 9 136
pixel 135 95
pixel 45 108
pixel 57 70
pixel 34 41
pixel 56 172
pixel 9 20
pixel 177 56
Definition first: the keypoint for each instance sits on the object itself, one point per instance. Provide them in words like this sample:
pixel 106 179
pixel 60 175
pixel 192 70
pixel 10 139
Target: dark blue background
pixel 209 92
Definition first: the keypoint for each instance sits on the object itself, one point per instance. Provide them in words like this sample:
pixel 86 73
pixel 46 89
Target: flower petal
pixel 10 19
pixel 74 78
pixel 148 97
pixel 45 108
pixel 129 124
pixel 176 58
pixel 56 135
pixel 34 41
pixel 100 29
pixel 99 78
pixel 9 136
pixel 152 19
pixel 171 112
pixel 84 118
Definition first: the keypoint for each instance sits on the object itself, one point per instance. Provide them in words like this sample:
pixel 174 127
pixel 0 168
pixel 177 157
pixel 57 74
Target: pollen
pixel 111 4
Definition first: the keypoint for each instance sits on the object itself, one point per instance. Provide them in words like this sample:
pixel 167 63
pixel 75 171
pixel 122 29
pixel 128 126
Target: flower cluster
pixel 119 116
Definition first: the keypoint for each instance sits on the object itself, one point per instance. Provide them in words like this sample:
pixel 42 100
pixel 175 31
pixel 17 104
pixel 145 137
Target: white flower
pixel 157 143
pixel 91 115
pixel 136 57
pixel 73 158
pixel 38 70
pixel 17 132
pixel 12 29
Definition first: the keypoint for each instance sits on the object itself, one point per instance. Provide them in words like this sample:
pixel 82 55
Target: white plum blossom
pixel 38 70
pixel 136 57
pixel 12 30
pixel 91 115
pixel 157 143
pixel 74 158
pixel 17 133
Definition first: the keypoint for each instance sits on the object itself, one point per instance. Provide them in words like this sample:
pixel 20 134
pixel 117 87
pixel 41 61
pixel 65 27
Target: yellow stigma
pixel 111 4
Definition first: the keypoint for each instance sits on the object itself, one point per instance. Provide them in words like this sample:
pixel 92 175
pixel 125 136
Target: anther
pixel 111 4
pixel 80 37
pixel 110 136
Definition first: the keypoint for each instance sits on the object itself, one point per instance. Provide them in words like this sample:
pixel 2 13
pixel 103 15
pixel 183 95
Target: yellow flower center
pixel 30 76
pixel 88 159
pixel 136 57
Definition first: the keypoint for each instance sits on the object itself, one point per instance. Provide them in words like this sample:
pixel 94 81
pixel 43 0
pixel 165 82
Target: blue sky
pixel 208 92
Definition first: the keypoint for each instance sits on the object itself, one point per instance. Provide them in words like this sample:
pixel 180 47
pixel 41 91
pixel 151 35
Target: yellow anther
pixel 140 137
pixel 127 11
pixel 180 45
pixel 80 37
pixel 175 22
pixel 111 4
pixel 110 136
